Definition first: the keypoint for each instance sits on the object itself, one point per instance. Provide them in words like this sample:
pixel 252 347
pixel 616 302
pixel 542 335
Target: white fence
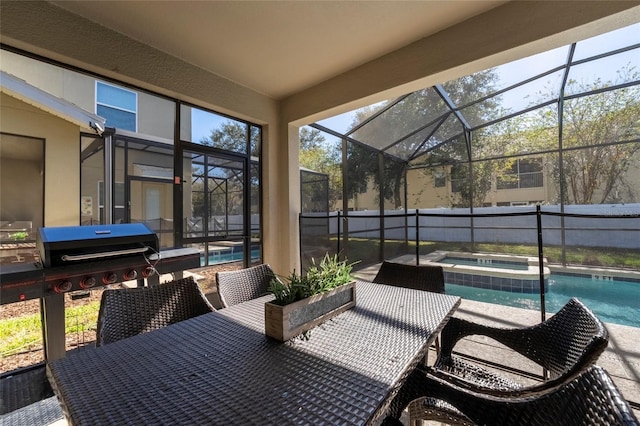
pixel 616 226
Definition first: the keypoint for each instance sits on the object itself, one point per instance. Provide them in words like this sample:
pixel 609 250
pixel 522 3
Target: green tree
pixel 398 132
pixel 494 153
pixel 230 136
pixel 362 165
pixel 320 156
pixel 601 138
pixel 470 187
pixel 225 181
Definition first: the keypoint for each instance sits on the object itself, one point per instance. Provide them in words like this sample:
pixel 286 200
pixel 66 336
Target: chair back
pixel 244 284
pixel 418 277
pixel 591 398
pixel 569 341
pixel 131 311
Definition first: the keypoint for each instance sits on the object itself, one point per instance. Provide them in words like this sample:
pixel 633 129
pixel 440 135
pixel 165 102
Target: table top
pixel 221 368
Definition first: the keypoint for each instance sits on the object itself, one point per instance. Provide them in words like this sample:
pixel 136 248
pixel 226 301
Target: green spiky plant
pixel 330 273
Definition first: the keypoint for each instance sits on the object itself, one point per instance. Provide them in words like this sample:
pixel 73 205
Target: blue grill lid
pixel 76 244
pixel 92 232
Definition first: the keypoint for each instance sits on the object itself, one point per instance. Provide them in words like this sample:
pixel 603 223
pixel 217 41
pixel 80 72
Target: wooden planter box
pixel 284 322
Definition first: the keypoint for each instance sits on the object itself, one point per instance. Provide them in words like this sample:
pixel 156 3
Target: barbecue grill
pixel 75 258
pixel 86 257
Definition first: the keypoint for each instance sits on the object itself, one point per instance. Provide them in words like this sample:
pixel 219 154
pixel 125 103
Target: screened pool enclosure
pixel 445 167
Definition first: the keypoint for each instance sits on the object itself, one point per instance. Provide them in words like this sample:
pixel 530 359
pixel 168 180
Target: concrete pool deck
pixel 621 359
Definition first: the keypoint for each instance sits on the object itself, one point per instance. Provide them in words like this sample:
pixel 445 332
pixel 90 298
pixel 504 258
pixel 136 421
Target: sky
pixel 522 69
pixel 203 122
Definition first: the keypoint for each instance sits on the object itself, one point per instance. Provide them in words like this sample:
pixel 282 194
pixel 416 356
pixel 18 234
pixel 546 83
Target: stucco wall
pixel 16 204
pixel 62 162
pixel 155 115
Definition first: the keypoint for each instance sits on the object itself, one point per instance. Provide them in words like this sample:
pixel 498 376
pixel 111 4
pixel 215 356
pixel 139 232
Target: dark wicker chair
pixel 419 277
pixel 590 398
pixel 131 311
pixel 244 284
pixel 564 344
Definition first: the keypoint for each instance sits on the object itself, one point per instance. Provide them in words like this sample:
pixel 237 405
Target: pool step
pixel 596 277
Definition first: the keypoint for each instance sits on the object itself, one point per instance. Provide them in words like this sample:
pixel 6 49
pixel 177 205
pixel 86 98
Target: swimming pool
pixel 612 301
pixel 228 256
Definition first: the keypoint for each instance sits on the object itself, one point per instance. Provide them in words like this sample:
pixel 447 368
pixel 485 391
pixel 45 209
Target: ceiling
pixel 277 48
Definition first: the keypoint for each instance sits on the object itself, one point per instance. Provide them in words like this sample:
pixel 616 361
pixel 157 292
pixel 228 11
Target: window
pixel 524 173
pixel 219 131
pixel 458 177
pixel 440 179
pixel 117 105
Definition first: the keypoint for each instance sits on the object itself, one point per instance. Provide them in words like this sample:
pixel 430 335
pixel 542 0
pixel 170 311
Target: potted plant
pixel 306 300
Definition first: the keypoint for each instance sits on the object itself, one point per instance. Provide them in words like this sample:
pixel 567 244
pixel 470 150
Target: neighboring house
pixel 94 152
pixel 39 164
pixel 38 128
pixel 525 183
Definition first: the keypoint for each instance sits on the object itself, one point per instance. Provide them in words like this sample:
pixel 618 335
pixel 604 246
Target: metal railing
pixel 360 237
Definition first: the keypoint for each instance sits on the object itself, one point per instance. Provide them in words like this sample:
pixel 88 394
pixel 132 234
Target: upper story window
pixel 119 106
pixel 458 177
pixel 523 173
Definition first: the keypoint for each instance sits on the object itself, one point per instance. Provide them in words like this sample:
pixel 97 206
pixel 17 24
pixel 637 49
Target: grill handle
pixel 88 256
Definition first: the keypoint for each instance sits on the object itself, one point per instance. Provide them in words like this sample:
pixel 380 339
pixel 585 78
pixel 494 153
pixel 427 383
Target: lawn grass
pixel 20 333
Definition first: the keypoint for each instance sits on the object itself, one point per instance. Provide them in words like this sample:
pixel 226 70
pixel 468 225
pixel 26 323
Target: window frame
pixel 117 107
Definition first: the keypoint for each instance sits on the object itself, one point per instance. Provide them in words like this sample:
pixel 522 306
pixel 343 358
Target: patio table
pixel 220 368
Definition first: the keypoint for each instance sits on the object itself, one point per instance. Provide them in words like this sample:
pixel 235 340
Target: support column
pixel 281 199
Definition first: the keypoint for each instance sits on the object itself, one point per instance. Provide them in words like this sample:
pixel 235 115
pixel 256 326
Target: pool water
pixel 229 257
pixel 616 302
